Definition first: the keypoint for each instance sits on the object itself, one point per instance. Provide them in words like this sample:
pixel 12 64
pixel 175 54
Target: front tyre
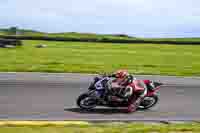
pixel 149 102
pixel 85 101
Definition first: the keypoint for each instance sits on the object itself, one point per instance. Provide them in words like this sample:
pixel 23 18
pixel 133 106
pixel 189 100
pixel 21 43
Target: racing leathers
pixel 140 90
pixel 123 89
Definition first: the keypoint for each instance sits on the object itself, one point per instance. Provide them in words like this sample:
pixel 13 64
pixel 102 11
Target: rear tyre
pixel 148 102
pixel 86 102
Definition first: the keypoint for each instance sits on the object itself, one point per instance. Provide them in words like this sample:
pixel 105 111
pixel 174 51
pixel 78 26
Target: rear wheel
pixel 85 101
pixel 148 102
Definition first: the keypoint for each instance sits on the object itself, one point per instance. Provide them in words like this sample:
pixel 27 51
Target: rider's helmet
pixel 121 74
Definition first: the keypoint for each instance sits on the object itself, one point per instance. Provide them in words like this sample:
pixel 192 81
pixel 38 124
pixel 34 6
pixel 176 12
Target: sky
pixel 141 18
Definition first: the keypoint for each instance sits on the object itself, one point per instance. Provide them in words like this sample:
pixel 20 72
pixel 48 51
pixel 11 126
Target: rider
pixel 121 79
pixel 121 86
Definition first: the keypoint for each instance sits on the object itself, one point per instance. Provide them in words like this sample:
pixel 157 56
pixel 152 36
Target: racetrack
pixel 42 96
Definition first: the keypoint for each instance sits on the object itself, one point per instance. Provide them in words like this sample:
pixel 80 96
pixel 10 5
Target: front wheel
pixel 85 101
pixel 149 102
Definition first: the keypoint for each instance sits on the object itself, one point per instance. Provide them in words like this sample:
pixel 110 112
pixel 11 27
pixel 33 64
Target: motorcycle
pixel 102 97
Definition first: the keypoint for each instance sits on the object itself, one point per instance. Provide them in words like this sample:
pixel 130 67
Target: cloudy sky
pixel 142 18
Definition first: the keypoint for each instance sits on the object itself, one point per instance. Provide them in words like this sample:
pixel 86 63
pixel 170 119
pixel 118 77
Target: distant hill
pixel 25 34
pixel 28 32
pixel 14 30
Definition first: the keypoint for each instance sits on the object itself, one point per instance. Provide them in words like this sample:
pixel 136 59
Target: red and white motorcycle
pixel 95 97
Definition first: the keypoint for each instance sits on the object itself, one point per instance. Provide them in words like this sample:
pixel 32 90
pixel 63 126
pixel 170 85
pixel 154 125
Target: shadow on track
pixel 98 111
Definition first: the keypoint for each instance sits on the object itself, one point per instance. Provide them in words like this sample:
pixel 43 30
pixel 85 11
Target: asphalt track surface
pixel 43 96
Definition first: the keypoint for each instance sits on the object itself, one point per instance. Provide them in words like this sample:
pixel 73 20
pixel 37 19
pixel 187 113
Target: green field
pixel 105 128
pixel 82 57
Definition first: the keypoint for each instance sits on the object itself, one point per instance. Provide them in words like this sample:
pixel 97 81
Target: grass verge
pixel 180 60
pixel 103 128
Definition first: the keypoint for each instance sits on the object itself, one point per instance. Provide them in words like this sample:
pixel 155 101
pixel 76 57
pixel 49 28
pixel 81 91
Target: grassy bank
pixel 76 37
pixel 105 128
pixel 99 57
pixel 24 34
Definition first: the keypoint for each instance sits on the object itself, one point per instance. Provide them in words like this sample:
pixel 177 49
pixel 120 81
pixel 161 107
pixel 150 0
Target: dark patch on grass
pixel 152 66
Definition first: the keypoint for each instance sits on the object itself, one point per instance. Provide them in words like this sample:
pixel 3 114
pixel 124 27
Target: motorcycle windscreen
pixel 157 84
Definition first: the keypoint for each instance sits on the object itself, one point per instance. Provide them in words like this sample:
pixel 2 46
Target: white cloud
pixel 103 15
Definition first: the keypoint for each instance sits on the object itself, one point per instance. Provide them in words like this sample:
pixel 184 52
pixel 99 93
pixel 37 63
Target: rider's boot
pixel 132 107
pixel 138 101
